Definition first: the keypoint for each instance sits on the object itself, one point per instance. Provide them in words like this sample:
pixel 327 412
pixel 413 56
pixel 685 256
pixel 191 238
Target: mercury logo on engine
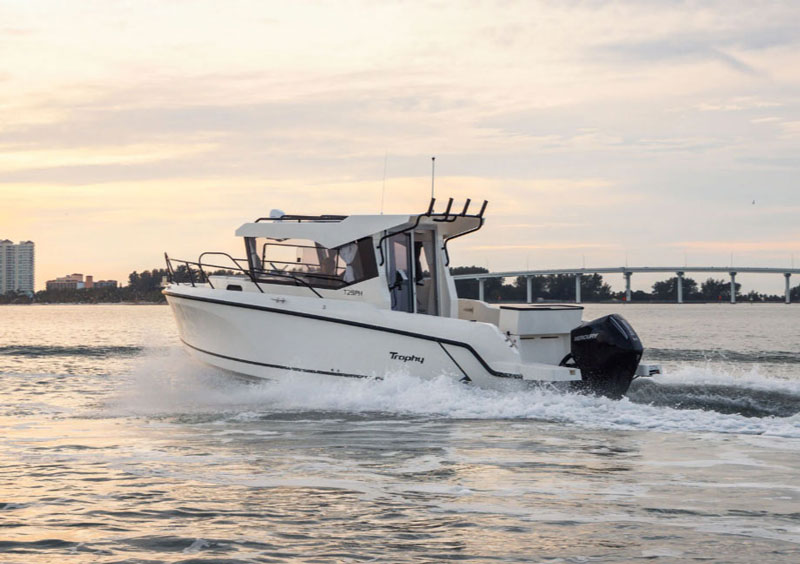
pixel 588 337
pixel 406 358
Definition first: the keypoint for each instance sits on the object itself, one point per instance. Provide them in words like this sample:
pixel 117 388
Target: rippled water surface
pixel 117 447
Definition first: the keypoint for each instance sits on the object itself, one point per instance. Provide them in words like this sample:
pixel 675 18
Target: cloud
pixel 674 49
pixel 779 245
pixel 543 246
pixel 737 104
pixel 768 162
pixel 25 159
pixel 791 128
pixel 15 31
pixel 545 225
pixel 703 45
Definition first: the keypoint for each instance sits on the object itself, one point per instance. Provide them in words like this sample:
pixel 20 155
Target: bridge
pixel 627 272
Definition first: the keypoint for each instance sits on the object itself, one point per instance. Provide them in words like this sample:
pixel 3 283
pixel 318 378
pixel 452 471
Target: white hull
pixel 273 335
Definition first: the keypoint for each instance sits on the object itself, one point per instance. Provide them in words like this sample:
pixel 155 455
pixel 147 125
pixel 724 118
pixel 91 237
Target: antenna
pixel 383 189
pixel 433 173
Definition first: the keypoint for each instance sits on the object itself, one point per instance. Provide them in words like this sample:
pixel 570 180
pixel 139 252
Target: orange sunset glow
pixel 600 133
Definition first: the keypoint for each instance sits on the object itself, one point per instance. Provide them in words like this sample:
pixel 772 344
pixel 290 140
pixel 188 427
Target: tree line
pixel 561 288
pixel 145 287
pixel 142 287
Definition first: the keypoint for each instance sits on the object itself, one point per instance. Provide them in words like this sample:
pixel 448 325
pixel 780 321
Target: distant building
pixel 78 282
pixel 16 267
pixel 68 282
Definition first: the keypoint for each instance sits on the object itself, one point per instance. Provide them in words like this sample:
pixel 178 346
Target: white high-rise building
pixel 16 267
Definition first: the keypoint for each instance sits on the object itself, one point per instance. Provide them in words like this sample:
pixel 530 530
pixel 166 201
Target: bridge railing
pixel 627 272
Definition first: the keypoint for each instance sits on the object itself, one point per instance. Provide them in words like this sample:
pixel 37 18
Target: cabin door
pixel 426 282
pixel 399 272
pixel 412 272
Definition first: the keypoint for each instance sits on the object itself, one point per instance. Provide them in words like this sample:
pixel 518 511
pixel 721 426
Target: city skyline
pixel 17 266
pixel 602 134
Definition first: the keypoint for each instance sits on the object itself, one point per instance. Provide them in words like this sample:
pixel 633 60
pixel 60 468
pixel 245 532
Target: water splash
pixel 169 383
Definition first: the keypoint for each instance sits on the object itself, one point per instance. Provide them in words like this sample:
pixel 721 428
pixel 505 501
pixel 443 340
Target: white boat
pixel 363 296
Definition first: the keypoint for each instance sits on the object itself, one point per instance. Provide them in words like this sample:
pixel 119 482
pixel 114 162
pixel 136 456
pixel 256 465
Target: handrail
pixel 170 272
pixel 473 230
pixel 320 275
pixel 200 265
pixel 221 253
pixel 393 233
pixel 419 217
pixel 191 274
pixel 298 281
pixel 444 217
pixel 234 261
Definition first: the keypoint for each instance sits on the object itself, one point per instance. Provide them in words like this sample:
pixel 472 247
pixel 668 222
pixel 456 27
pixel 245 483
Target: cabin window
pixel 273 260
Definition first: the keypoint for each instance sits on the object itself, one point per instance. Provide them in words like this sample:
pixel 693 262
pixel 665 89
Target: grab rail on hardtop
pixel 428 213
pixel 441 217
pixel 199 264
pixel 301 218
pixel 464 213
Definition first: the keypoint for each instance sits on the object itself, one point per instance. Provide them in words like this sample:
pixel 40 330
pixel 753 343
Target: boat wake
pixel 169 384
pixel 721 398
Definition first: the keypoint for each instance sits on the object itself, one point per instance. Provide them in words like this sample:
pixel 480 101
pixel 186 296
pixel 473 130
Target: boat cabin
pixel 397 262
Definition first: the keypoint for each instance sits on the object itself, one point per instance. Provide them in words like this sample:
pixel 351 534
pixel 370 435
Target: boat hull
pixel 274 336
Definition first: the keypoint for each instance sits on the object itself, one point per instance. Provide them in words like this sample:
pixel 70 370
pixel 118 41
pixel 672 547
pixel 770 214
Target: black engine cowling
pixel 607 351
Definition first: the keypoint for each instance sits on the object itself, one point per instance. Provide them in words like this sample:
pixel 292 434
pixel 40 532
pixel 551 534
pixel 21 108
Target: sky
pixel 602 133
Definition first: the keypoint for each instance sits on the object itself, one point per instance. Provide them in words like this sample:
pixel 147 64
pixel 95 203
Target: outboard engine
pixel 607 351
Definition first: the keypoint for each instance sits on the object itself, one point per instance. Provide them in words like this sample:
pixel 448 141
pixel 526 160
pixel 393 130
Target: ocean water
pixel 115 446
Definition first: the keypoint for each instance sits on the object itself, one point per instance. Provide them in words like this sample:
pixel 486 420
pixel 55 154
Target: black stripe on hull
pixel 465 378
pixel 279 366
pixel 467 346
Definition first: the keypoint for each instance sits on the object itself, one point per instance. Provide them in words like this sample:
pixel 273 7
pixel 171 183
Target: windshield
pixel 278 261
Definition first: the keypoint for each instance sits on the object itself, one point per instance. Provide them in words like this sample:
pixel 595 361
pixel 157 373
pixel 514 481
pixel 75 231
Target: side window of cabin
pixel 359 260
pixel 355 261
pixel 281 261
